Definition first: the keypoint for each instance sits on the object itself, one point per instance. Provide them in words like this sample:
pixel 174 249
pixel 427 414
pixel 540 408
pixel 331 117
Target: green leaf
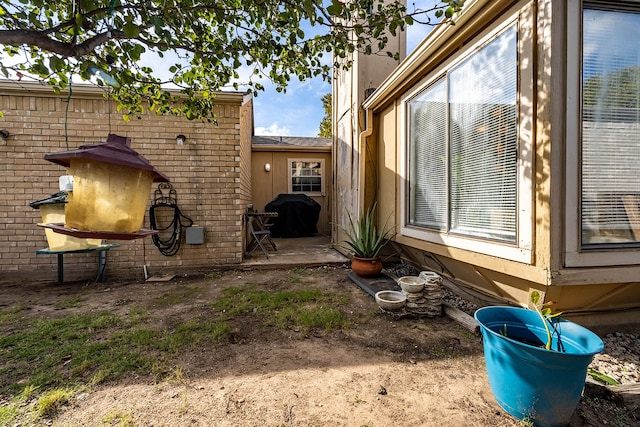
pixel 335 9
pixel 56 64
pixel 449 12
pixel 131 30
pixel 534 297
pixel 602 377
pixel 40 69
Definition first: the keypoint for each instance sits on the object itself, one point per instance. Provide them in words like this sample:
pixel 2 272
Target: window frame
pixel 575 255
pixel 521 251
pixel 308 160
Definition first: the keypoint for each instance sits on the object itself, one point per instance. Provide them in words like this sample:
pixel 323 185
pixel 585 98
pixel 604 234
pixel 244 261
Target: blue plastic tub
pixel 528 381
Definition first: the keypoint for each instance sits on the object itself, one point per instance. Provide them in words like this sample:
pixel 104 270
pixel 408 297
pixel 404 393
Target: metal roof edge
pixel 298 148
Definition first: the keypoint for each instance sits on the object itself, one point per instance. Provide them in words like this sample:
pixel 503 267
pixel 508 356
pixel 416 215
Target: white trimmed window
pixel 605 184
pixel 306 176
pixel 467 158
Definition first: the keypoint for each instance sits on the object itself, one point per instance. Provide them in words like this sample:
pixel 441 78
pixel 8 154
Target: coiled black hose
pixel 168 244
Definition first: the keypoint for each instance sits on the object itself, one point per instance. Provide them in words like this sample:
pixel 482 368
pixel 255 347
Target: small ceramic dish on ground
pixel 390 300
pixel 411 284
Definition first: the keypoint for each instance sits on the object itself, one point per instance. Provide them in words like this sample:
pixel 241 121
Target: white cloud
pixel 299 110
pixel 273 129
pixel 160 65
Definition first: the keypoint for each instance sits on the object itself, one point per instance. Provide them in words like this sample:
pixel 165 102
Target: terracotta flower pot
pixel 366 267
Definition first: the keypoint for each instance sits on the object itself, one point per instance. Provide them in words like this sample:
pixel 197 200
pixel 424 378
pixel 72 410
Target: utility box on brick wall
pixel 195 235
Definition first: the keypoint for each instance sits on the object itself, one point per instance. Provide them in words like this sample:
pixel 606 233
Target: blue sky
pixel 299 111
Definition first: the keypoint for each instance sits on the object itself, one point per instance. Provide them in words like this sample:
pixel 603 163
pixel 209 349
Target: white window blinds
pixel 610 167
pixel 306 176
pixel 483 95
pixel 463 146
pixel 428 158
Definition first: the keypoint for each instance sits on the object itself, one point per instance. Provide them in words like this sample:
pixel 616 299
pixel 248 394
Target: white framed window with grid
pixel 306 176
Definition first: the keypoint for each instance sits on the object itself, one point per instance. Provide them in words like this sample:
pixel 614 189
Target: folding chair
pixel 260 232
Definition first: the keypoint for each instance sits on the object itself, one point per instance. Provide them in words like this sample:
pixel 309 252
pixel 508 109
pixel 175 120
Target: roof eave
pixel 297 148
pixel 429 51
pixel 89 90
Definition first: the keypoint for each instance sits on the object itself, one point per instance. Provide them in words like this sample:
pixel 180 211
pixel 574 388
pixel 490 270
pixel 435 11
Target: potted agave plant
pixel 365 242
pixel 536 362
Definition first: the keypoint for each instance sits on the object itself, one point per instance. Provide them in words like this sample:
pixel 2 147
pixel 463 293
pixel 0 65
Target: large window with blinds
pixel 610 126
pixel 462 154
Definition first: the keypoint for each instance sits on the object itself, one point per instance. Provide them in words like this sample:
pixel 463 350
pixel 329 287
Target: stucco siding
pixel 537 258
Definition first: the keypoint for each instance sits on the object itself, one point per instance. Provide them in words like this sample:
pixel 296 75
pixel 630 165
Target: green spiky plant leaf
pixel 364 239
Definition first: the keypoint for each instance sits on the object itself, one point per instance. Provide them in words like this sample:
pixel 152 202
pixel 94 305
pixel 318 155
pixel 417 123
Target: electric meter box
pixel 194 235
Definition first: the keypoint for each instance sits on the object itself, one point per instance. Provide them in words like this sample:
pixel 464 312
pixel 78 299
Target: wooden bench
pixel 102 258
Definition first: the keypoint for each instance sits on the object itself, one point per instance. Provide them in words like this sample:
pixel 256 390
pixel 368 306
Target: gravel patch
pixel 620 359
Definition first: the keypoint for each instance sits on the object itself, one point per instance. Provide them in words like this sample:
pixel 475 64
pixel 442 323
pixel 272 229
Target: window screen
pixel 610 171
pixel 428 158
pixel 463 146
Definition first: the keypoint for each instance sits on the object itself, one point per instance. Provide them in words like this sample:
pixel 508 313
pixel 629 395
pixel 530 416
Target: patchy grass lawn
pixel 47 359
pixel 296 347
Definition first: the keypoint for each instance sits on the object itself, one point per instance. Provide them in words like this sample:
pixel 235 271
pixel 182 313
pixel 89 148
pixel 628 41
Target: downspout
pixel 363 141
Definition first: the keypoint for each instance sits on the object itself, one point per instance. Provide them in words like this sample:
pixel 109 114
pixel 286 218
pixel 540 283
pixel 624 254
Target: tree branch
pixel 37 39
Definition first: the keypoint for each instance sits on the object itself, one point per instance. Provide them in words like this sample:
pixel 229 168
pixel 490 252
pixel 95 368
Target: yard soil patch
pixel 381 371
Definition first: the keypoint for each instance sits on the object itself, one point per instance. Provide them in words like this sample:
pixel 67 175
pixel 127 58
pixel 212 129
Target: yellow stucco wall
pixel 268 184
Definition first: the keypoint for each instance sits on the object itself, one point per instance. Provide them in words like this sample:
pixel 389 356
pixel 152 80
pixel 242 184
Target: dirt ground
pixel 384 371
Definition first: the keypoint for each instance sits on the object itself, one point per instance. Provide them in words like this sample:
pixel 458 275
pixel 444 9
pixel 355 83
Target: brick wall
pixel 205 172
